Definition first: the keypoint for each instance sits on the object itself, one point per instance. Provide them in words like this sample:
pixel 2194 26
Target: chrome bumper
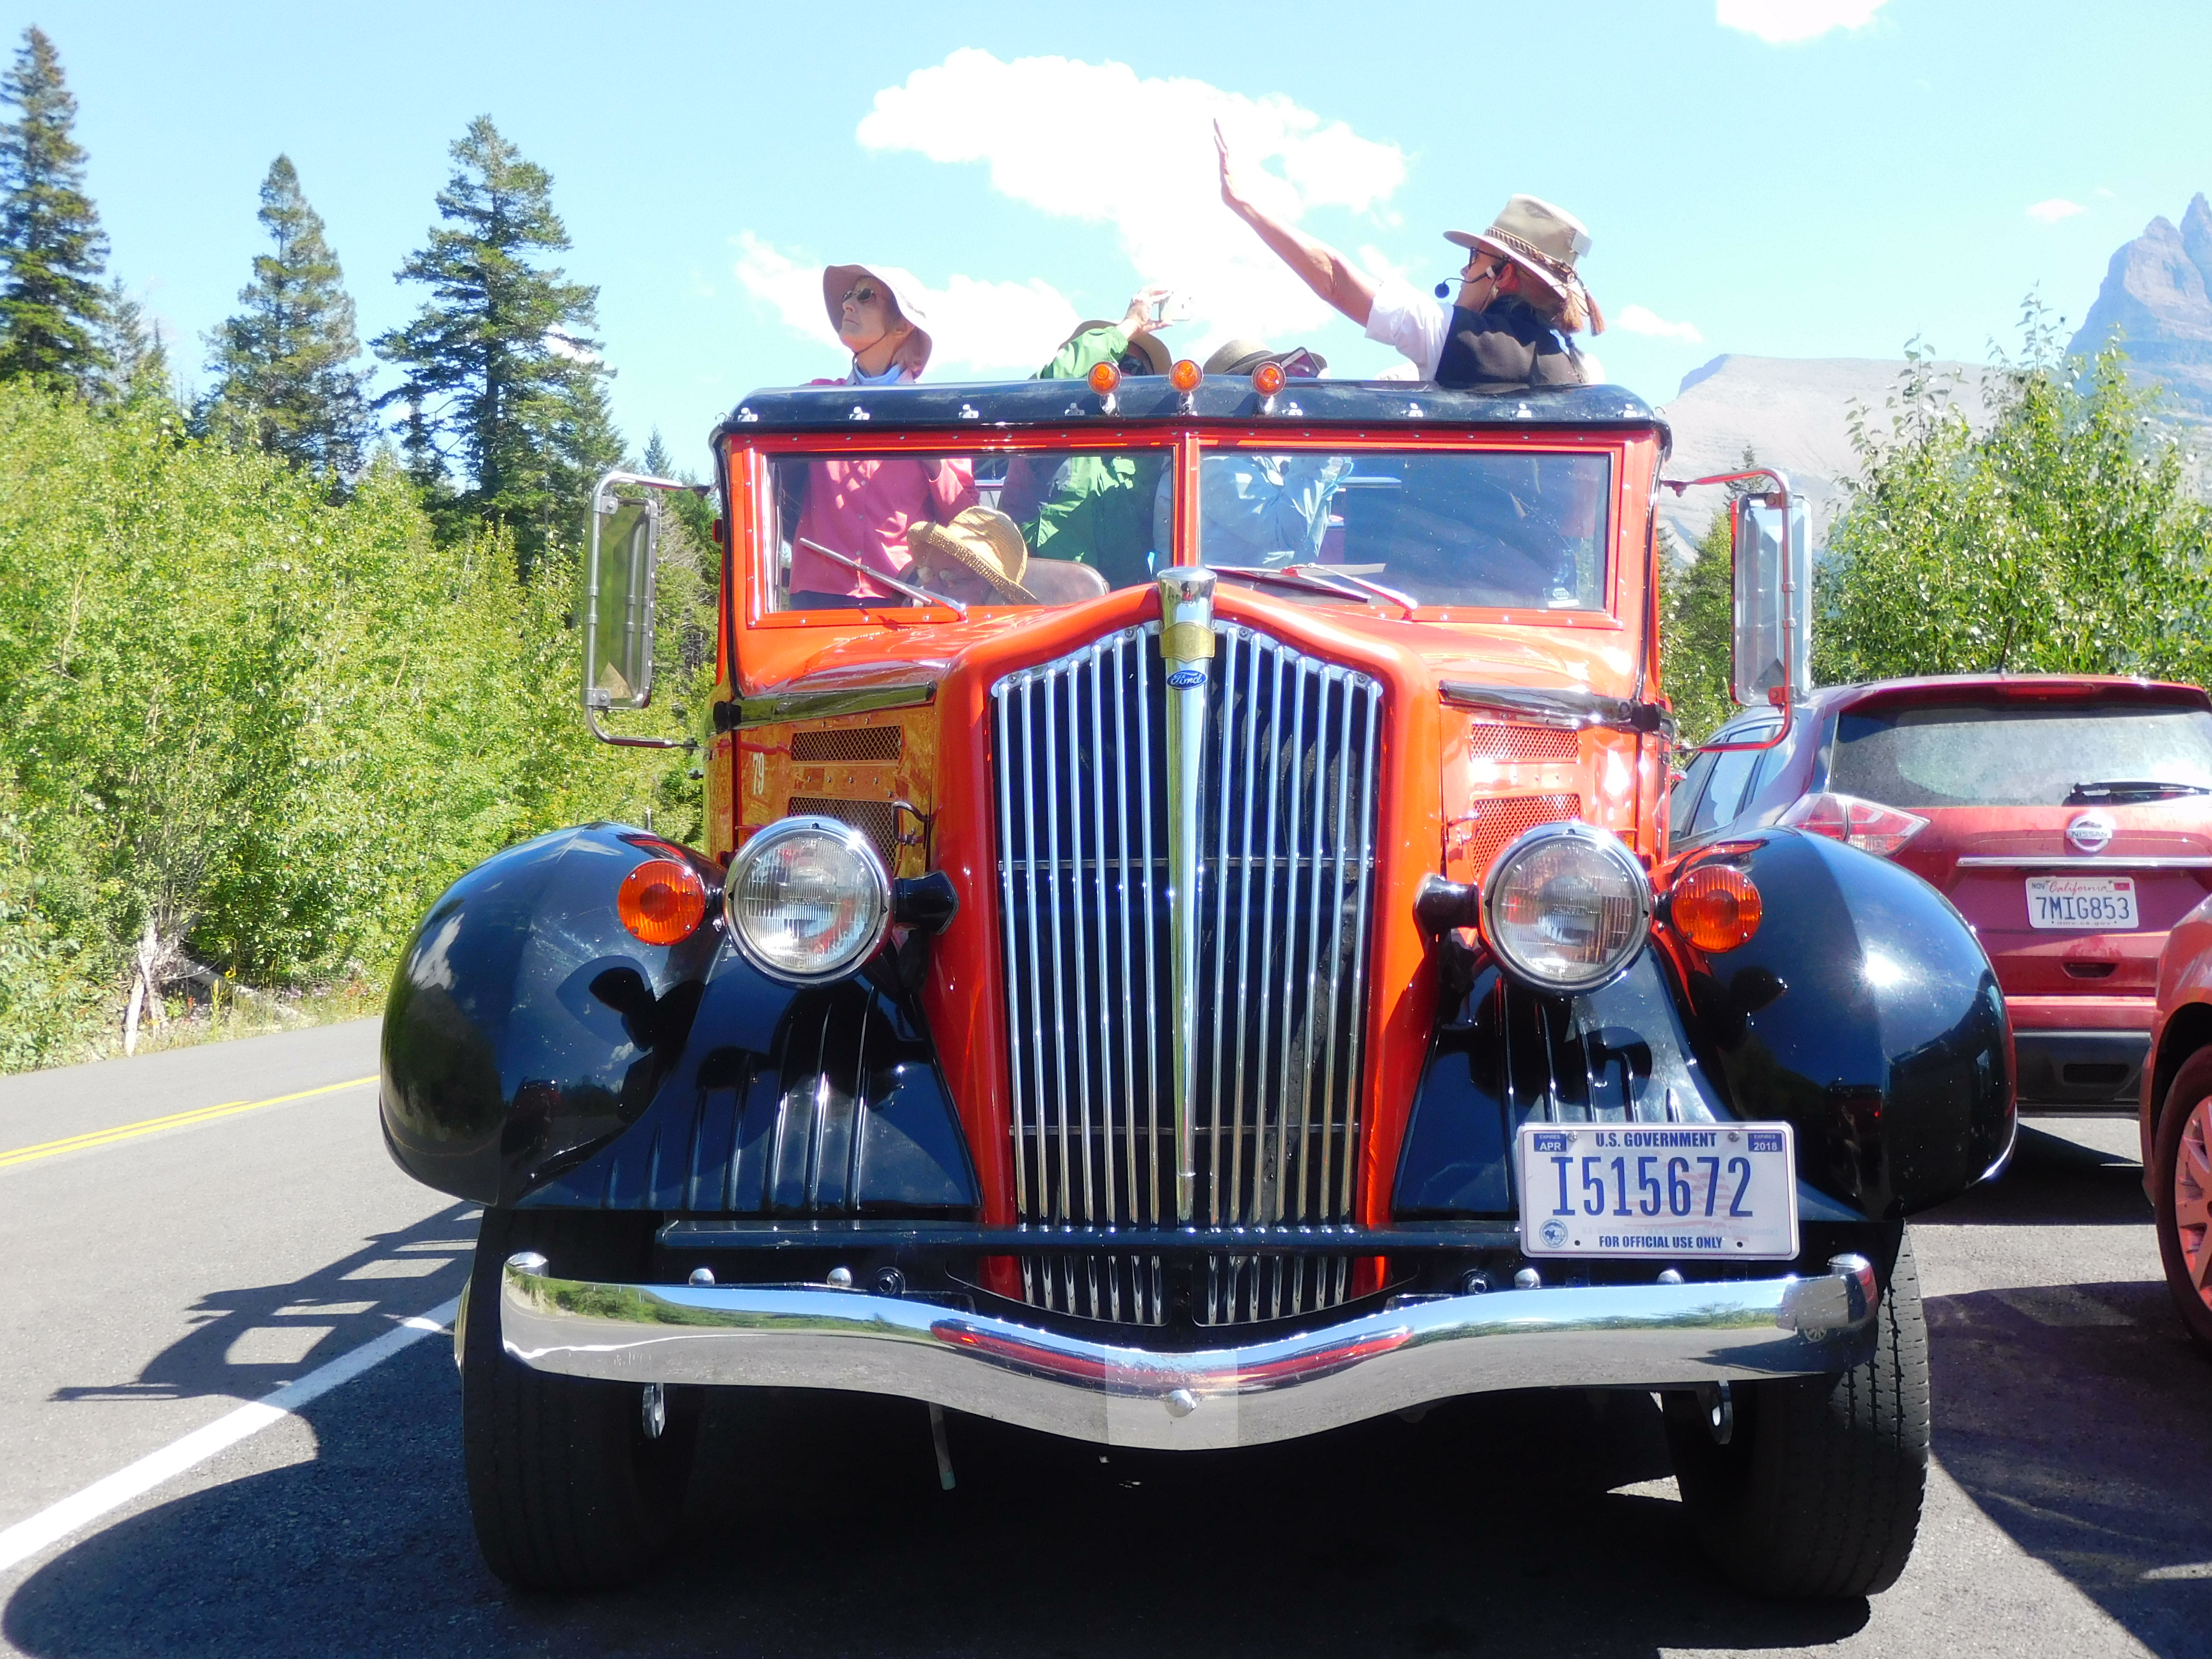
pixel 1643 1336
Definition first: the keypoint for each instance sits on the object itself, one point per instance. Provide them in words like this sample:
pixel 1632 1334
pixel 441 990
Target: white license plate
pixel 2105 903
pixel 1679 1190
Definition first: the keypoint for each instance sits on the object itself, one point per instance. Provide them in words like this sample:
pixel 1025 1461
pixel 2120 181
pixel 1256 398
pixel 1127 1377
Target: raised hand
pixel 1141 305
pixel 1232 198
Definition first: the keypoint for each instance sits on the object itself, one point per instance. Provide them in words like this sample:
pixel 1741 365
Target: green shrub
pixel 274 727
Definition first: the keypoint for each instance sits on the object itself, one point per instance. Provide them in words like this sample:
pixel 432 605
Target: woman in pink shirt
pixel 864 508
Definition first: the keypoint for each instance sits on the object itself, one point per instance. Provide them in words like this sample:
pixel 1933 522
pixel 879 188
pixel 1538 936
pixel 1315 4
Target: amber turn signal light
pixel 1267 380
pixel 1715 907
pixel 1185 375
pixel 662 902
pixel 1104 377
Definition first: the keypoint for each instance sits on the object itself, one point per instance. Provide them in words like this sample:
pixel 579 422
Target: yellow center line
pixel 174 1120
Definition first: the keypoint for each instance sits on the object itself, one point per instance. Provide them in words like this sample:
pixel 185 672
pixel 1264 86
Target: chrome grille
pixel 1285 877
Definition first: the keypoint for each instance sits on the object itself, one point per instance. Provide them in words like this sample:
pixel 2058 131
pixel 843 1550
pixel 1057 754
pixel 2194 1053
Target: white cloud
pixel 1641 319
pixel 2058 208
pixel 985 327
pixel 1784 23
pixel 794 289
pixel 1097 143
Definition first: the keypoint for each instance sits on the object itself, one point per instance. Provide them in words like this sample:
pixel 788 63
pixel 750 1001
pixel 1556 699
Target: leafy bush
pixel 270 726
pixel 2061 538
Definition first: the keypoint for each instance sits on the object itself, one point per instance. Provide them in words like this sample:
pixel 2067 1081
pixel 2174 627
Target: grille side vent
pixel 1487 740
pixel 1497 821
pixel 857 743
pixel 876 819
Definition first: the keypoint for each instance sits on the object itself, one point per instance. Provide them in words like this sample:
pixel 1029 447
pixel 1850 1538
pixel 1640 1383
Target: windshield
pixel 1478 530
pixel 2013 754
pixel 1041 527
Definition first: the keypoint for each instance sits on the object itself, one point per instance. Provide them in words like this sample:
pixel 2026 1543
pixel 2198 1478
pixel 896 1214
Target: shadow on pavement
pixel 249 1340
pixel 818 1526
pixel 2075 1417
pixel 2075 1414
pixel 2055 1181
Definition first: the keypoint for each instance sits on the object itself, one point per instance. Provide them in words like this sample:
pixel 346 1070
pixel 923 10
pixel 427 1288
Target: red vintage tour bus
pixel 1200 970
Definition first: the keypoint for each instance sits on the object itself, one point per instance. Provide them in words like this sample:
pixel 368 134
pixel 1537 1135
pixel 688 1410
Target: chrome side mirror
pixel 1773 600
pixel 620 563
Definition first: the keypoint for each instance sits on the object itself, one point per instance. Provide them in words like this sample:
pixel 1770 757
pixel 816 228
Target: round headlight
pixel 1566 907
pixel 806 899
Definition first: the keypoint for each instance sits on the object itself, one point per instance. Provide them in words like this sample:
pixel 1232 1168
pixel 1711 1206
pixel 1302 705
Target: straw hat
pixel 1147 346
pixel 1242 356
pixel 905 291
pixel 1543 241
pixel 982 541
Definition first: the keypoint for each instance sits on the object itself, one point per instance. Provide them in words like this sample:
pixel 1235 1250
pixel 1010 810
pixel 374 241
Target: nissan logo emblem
pixel 2090 833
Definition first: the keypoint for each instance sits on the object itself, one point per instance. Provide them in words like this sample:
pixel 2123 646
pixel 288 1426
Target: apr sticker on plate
pixel 1673 1189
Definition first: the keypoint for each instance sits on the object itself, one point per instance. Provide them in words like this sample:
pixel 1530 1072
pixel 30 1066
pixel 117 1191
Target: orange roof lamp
pixel 1185 376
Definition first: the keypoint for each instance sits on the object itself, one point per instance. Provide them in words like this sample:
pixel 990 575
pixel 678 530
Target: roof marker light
pixel 1185 375
pixel 1267 380
pixel 1104 378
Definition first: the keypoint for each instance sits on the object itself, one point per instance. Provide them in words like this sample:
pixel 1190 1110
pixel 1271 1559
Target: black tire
pixel 566 1489
pixel 2191 1086
pixel 1818 1491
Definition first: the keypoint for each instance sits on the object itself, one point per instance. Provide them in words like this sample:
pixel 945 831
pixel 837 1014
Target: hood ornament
pixel 1187 647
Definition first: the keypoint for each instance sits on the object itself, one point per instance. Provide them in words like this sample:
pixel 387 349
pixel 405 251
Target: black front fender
pixel 535 1052
pixel 1865 1012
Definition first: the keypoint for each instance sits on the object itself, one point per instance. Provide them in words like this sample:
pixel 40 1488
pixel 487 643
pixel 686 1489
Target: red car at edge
pixel 2068 818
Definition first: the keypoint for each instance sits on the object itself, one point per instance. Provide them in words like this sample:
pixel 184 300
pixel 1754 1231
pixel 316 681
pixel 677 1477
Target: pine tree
pixel 656 462
pixel 502 383
pixel 50 243
pixel 134 355
pixel 289 380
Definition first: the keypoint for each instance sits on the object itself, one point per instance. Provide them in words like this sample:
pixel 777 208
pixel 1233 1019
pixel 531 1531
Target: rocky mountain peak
pixel 2158 294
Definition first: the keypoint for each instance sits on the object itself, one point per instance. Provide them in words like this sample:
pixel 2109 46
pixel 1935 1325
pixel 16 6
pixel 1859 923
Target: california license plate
pixel 1679 1190
pixel 2085 902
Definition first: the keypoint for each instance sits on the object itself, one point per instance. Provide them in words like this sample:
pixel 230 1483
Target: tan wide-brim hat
pixel 1147 346
pixel 981 540
pixel 903 288
pixel 1242 357
pixel 1542 239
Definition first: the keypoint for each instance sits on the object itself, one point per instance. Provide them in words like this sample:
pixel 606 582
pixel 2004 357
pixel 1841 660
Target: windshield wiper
pixel 1332 579
pixel 2112 789
pixel 876 575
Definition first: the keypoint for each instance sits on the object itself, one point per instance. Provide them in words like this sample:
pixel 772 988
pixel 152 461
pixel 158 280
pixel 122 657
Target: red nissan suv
pixel 2069 818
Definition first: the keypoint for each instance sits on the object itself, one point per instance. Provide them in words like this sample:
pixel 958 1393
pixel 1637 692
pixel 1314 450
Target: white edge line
pixel 57 1521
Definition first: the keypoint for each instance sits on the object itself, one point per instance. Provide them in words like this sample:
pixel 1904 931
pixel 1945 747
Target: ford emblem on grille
pixel 2090 833
pixel 1183 678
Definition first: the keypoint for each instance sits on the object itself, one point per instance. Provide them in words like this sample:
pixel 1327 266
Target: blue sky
pixel 1897 167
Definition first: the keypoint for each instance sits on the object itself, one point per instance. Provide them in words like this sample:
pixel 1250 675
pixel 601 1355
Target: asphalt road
pixel 157 1280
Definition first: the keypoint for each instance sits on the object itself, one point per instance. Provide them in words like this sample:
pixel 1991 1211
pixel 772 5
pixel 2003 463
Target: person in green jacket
pixel 1096 509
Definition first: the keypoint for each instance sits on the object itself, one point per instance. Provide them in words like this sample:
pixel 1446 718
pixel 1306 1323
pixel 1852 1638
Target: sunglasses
pixel 861 294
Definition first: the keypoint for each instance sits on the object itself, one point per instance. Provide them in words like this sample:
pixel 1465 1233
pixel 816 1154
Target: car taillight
pixel 1868 825
pixel 662 902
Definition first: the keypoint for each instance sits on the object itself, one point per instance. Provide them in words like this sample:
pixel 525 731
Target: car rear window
pixel 2014 754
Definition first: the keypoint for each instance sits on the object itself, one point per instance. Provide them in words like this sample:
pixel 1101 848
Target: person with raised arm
pixel 1520 300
